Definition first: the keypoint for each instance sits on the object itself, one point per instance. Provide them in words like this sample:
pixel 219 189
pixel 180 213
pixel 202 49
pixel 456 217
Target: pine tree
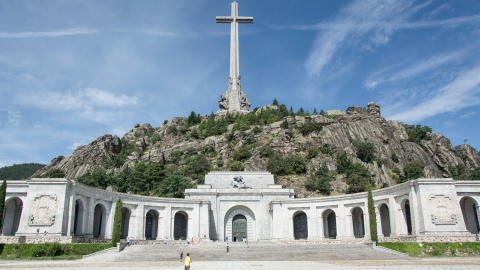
pixel 275 102
pixel 372 216
pixel 3 192
pixel 315 111
pixel 117 223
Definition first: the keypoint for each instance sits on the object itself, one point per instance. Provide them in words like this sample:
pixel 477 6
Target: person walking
pixel 181 255
pixel 188 261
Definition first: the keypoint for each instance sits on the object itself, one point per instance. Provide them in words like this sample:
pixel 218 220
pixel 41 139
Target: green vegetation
pixel 366 151
pixel 309 127
pixel 320 180
pixel 412 170
pixel 314 151
pixel 64 251
pixel 3 193
pixel 242 154
pixel 266 151
pixel 119 159
pixel 394 157
pixel 435 249
pixel 358 177
pixel 372 216
pixel 55 173
pixel 291 164
pixel 417 133
pixel 174 186
pixel 117 223
pixel 235 166
pixel 19 171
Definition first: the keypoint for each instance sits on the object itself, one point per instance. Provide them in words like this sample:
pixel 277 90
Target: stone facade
pixel 238 205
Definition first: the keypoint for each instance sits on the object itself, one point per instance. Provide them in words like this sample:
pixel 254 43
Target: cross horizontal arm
pixel 224 19
pixel 244 19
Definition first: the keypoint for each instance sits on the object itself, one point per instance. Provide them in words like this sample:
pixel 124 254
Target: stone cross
pixel 234 100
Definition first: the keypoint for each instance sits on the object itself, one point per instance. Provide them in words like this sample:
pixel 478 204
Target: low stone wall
pixel 431 239
pixel 49 239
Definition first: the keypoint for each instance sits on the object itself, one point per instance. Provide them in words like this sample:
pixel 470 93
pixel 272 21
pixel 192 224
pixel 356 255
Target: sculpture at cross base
pixel 234 100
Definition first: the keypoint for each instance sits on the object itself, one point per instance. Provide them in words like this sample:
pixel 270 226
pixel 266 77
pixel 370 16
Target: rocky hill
pixel 296 147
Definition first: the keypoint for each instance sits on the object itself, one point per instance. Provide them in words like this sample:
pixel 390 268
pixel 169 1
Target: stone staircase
pixel 257 251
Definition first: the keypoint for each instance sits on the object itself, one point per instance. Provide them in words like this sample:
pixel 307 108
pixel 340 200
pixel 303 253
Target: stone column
pixel 393 212
pixel 342 220
pixel 414 207
pixel 90 210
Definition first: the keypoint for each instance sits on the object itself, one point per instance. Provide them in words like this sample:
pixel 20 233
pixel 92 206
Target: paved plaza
pixel 213 256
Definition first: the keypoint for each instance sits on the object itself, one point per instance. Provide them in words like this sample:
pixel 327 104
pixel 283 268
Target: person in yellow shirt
pixel 187 262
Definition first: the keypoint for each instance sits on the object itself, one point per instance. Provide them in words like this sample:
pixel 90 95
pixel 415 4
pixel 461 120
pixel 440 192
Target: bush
pixel 235 166
pixel 38 250
pixel 309 127
pixel 172 130
pixel 320 180
pixel 358 177
pixel 275 165
pixel 413 170
pixel 242 154
pixel 394 157
pixel 295 164
pixel 266 151
pixel 417 133
pixel 366 151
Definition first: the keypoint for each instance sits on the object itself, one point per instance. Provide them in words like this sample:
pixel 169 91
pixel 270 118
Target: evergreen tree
pixel 372 216
pixel 322 112
pixel 275 102
pixel 3 192
pixel 315 111
pixel 117 223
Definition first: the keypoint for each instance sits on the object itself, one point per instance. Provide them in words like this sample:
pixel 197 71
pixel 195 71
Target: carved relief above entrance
pixel 43 209
pixel 442 209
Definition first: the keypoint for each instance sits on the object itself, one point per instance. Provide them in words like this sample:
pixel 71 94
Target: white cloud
pixel 56 33
pixel 463 92
pixel 415 69
pixel 10 116
pixel 375 18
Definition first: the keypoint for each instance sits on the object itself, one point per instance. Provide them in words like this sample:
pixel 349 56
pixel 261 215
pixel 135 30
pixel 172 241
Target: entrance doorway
pixel 239 228
pixel 180 226
pixel 330 224
pixel 300 226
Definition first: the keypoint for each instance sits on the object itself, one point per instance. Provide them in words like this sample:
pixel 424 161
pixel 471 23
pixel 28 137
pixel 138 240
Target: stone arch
pixel 99 221
pixel 358 222
pixel 469 208
pixel 300 225
pixel 180 225
pixel 385 220
pixel 151 225
pixel 329 224
pixel 126 213
pixel 79 217
pixel 407 216
pixel 12 215
pixel 249 216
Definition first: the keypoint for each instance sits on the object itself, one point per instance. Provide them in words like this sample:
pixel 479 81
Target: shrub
pixel 117 223
pixel 320 180
pixel 309 127
pixel 275 165
pixel 38 251
pixel 366 151
pixel 155 138
pixel 413 170
pixel 172 130
pixel 417 133
pixel 53 249
pixel 175 156
pixel 358 177
pixel 394 157
pixel 235 166
pixel 242 154
pixel 295 164
pixel 284 125
pixel 266 151
pixel 257 130
pixel 66 251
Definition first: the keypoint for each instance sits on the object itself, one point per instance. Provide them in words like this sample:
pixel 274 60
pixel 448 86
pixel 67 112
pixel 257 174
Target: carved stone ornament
pixel 43 211
pixel 442 209
pixel 238 182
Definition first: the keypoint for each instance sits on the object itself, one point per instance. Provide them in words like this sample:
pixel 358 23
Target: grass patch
pixel 49 251
pixel 460 249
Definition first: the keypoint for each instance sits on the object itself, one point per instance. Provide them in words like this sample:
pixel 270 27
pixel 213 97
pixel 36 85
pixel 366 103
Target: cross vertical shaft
pixel 234 99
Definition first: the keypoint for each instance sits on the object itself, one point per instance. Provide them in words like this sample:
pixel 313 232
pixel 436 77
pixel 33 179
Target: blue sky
pixel 71 71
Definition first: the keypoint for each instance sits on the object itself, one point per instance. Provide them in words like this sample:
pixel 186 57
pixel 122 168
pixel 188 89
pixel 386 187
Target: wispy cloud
pixel 55 33
pixel 462 92
pixel 375 18
pixel 415 69
pixel 10 116
pixel 96 105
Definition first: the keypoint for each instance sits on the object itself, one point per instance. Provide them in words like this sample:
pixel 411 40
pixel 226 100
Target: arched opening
pixel 99 221
pixel 239 228
pixel 78 223
pixel 12 215
pixel 151 225
pixel 406 215
pixel 385 220
pixel 180 226
pixel 125 222
pixel 470 216
pixel 300 226
pixel 358 224
pixel 330 224
pixel 242 215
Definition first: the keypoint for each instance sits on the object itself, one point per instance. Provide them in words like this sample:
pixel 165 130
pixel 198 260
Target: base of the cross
pixel 225 112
